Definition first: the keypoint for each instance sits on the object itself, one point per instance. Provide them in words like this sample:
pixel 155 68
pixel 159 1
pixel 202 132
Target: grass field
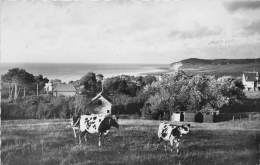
pixel 33 142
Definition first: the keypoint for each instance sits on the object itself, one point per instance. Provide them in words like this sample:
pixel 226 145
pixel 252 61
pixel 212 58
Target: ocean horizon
pixel 74 71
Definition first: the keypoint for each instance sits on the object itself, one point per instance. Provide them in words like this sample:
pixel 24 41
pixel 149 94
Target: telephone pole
pixel 37 90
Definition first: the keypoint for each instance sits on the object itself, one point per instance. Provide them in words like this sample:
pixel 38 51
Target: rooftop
pixel 251 76
pixel 64 88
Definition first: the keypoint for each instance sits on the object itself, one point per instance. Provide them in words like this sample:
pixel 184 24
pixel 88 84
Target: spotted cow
pixel 172 133
pixel 94 123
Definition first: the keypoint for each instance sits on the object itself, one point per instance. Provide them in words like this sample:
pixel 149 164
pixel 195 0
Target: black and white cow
pixel 172 133
pixel 94 123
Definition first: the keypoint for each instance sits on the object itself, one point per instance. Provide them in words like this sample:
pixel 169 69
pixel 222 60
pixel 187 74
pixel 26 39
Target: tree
pixel 180 91
pixel 89 82
pixel 40 82
pixel 149 79
pixel 18 78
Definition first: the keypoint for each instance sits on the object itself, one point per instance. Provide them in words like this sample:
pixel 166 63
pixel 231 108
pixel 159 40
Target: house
pixel 63 90
pixel 250 80
pixel 103 106
pixel 48 88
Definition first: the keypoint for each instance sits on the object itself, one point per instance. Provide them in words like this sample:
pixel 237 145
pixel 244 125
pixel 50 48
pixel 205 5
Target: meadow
pixel 30 142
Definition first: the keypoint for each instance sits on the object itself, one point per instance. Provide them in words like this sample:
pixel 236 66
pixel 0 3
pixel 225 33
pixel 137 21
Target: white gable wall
pixel 247 84
pixel 105 108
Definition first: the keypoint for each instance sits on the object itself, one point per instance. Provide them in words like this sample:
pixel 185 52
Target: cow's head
pixel 184 129
pixel 114 121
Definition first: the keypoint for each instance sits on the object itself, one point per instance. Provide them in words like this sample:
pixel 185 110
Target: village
pixel 56 104
pixel 101 102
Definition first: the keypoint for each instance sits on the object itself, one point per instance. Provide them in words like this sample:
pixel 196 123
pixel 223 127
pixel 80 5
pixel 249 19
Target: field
pixel 31 142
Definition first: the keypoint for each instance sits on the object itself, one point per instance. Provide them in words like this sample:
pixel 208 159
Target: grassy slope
pixel 220 67
pixel 51 142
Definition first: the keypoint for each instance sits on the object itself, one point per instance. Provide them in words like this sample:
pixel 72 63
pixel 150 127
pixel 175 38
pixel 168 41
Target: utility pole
pixel 15 91
pixel 23 91
pixel 37 90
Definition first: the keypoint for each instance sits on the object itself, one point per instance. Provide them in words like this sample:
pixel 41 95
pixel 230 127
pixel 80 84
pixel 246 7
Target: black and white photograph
pixel 130 82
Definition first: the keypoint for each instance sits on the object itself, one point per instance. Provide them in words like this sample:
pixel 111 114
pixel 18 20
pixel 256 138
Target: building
pixel 102 105
pixel 63 90
pixel 48 88
pixel 201 117
pixel 250 80
pixel 177 116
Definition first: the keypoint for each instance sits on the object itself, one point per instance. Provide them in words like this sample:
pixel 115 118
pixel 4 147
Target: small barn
pixel 178 116
pixel 207 116
pixel 63 90
pixel 250 80
pixel 189 116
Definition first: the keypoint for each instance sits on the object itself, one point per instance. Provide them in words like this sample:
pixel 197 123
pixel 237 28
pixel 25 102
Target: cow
pixel 94 123
pixel 172 133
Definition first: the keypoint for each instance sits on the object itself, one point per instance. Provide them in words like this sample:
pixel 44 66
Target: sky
pixel 128 31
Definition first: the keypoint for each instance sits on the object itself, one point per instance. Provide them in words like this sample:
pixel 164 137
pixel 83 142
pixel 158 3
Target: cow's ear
pixel 188 125
pixel 117 117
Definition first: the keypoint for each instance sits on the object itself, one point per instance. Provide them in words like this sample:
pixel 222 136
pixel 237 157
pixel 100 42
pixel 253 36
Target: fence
pixel 236 116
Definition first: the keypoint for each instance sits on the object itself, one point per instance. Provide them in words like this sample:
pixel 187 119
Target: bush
pixel 43 107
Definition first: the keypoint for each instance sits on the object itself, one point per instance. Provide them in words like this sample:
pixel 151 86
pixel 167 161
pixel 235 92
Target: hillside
pixel 195 61
pixel 218 67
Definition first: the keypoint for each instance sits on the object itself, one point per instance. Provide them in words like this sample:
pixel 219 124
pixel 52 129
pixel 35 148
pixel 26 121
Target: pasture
pixel 47 142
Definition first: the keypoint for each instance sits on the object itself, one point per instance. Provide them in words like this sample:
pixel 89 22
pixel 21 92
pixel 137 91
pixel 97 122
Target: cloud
pixel 117 31
pixel 253 28
pixel 242 5
pixel 198 32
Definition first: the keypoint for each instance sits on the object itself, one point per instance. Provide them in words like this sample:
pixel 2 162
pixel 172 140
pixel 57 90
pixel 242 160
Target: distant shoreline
pixel 72 72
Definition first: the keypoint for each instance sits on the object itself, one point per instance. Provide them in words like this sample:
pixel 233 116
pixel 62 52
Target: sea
pixel 74 71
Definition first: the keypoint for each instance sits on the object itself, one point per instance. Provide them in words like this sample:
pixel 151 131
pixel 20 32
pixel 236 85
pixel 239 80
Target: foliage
pixel 176 92
pixel 19 76
pixel 40 80
pixel 127 85
pixel 18 79
pixel 89 82
pixel 42 107
pixel 192 93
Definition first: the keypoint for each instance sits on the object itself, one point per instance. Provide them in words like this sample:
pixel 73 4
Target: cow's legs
pixel 158 143
pixel 80 136
pixel 176 142
pixel 177 146
pixel 85 137
pixel 171 142
pixel 75 135
pixel 165 146
pixel 99 139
